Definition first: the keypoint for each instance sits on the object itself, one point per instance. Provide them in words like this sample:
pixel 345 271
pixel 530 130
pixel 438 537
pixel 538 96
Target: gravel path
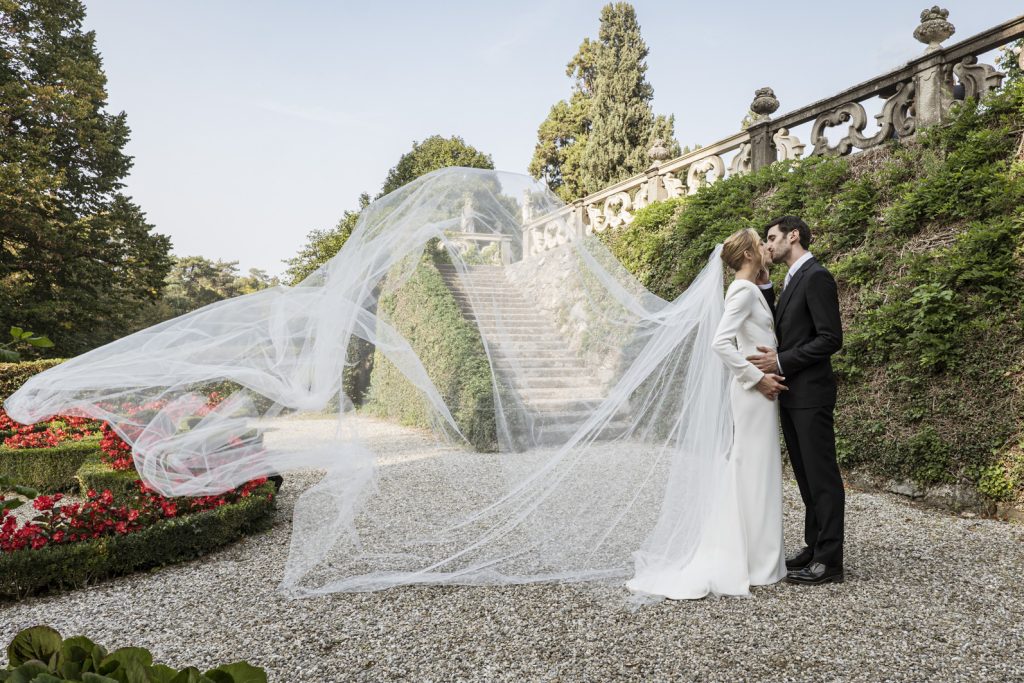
pixel 928 596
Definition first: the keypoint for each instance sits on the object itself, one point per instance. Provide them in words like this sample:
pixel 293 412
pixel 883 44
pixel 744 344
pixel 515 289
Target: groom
pixel 809 332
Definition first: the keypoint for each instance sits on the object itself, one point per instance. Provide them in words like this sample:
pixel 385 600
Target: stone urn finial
pixel 765 103
pixel 658 152
pixel 934 28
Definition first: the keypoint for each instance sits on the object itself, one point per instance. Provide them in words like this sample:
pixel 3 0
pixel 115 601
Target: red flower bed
pixel 115 451
pixel 54 431
pixel 98 516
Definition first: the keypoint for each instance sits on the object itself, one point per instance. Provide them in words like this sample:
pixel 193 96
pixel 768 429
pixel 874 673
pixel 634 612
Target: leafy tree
pixel 323 245
pixel 433 153
pixel 195 281
pixel 1008 61
pixel 623 123
pixel 562 136
pixel 77 257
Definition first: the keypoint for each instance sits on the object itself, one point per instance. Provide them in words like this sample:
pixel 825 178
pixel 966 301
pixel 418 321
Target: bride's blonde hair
pixel 737 243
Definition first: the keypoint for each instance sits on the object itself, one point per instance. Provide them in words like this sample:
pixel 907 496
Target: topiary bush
pixel 49 469
pixel 13 375
pixel 425 312
pixel 96 475
pixel 926 239
pixel 41 655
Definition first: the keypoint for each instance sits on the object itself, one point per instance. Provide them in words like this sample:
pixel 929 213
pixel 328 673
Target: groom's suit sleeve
pixel 823 305
pixel 737 308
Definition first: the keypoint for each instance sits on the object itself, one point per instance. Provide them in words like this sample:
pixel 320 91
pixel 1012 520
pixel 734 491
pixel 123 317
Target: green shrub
pixel 926 240
pixel 424 311
pixel 72 565
pixel 13 375
pixel 97 475
pixel 40 655
pixel 48 469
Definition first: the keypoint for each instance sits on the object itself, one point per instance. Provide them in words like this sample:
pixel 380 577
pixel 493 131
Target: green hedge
pixel 73 565
pixel 13 375
pixel 49 469
pixel 424 311
pixel 97 475
pixel 926 240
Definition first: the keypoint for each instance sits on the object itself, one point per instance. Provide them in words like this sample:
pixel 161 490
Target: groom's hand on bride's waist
pixel 771 385
pixel 766 361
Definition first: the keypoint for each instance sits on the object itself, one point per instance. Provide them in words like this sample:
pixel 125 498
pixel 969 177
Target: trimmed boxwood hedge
pixel 425 311
pixel 13 375
pixel 97 475
pixel 49 469
pixel 73 565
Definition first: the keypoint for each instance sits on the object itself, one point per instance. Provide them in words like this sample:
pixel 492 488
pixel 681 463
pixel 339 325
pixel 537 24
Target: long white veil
pixel 610 410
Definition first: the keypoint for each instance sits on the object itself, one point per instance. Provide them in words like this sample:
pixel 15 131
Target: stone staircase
pixel 557 391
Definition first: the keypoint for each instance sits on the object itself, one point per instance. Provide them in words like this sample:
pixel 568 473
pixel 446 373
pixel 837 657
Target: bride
pixel 741 542
pixel 608 409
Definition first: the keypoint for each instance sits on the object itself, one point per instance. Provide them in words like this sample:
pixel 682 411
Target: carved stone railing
pixel 919 93
pixel 481 248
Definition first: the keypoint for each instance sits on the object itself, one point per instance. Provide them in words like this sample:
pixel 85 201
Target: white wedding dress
pixel 741 542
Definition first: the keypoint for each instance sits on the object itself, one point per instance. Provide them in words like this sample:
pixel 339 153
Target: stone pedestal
pixel 762 148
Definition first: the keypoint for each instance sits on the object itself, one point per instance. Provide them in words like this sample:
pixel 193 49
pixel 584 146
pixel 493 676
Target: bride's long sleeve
pixel 738 302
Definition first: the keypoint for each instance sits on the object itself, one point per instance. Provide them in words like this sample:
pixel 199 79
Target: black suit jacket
pixel 809 331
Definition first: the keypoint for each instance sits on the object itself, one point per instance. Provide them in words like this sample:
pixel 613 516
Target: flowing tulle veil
pixel 613 480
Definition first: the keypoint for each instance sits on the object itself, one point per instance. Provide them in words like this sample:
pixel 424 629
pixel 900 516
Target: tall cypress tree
pixel 77 258
pixel 562 136
pixel 623 123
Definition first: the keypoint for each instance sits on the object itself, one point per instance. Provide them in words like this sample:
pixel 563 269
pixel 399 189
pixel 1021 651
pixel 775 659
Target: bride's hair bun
pixel 737 243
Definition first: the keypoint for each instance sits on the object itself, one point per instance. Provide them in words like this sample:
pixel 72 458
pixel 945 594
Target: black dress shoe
pixel 816 573
pixel 800 559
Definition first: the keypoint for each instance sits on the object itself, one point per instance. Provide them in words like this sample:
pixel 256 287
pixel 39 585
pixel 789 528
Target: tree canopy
pixel 77 257
pixel 601 134
pixel 433 153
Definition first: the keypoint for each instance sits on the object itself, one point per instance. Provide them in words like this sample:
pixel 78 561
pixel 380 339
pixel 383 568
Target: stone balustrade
pixel 919 93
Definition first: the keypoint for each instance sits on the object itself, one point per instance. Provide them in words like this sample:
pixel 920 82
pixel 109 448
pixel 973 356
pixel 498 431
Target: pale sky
pixel 254 122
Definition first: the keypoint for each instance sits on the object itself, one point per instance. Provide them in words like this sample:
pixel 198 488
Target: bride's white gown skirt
pixel 741 544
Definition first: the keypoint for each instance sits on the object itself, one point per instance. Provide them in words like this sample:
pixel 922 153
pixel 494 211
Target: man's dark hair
pixel 788 224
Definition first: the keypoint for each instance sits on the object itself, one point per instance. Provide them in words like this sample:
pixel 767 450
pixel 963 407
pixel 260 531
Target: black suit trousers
pixel 810 440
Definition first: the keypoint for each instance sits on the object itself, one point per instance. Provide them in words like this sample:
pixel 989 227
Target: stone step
pixel 531 395
pixel 540 405
pixel 494 331
pixel 531 349
pixel 535 370
pixel 512 334
pixel 547 418
pixel 497 304
pixel 542 379
pixel 485 288
pixel 556 435
pixel 528 383
pixel 524 318
pixel 540 365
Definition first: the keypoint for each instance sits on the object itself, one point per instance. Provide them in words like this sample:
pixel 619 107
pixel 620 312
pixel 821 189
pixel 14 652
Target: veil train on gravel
pixel 611 411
